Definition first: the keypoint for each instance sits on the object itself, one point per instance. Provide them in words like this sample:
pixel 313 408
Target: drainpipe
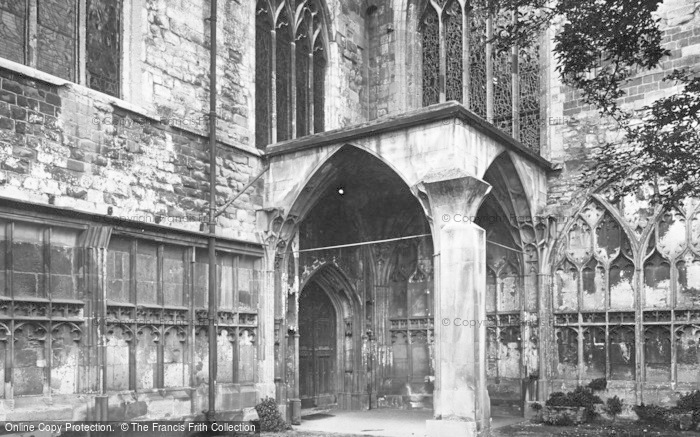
pixel 212 313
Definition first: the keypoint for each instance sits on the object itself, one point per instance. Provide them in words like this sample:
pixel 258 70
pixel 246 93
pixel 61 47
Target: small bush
pixel 536 406
pixel 613 406
pixel 562 420
pixel 599 384
pixel 270 418
pixel 581 397
pixel 652 414
pixel 689 401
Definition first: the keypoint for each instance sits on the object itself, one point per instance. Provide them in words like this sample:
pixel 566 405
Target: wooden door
pixel 317 348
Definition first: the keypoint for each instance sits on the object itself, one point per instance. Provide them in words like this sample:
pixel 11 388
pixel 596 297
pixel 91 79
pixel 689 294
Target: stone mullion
pixel 580 328
pixel 515 87
pixel 442 74
pixel 160 300
pixel 639 329
pixel 81 39
pixel 9 276
pixel 466 56
pixel 134 326
pixel 607 348
pixel 310 81
pixel 292 116
pixel 273 86
pixel 46 252
pixel 606 306
pixel 31 34
pixel 160 367
pixel 46 247
pixel 236 319
pixel 673 327
pixel 547 336
pixel 489 67
pixel 160 357
pixel 192 328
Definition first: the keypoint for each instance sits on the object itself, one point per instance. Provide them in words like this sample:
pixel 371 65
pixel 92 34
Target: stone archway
pixel 330 306
pixel 346 193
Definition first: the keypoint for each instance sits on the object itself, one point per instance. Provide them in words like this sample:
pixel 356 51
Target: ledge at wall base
pixel 441 428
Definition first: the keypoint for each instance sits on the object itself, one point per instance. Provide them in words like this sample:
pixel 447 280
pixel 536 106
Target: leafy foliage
pixel 598 384
pixel 652 414
pixel 270 418
pixel 600 45
pixel 685 415
pixel 580 397
pixel 613 406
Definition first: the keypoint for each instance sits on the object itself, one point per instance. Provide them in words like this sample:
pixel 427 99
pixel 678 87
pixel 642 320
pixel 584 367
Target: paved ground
pixel 380 423
pixel 407 423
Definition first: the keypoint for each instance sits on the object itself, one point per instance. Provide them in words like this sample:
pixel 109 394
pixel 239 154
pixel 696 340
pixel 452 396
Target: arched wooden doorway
pixel 317 348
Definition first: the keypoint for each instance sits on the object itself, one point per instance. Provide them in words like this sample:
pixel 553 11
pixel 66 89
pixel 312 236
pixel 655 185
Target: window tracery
pixel 491 89
pixel 628 279
pixel 431 57
pixel 64 39
pixel 454 48
pixel 289 80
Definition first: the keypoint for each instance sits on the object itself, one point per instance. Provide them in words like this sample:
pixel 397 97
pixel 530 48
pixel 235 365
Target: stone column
pixel 461 402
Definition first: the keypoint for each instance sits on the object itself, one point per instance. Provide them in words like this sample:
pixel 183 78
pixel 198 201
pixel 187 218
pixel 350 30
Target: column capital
pixel 449 192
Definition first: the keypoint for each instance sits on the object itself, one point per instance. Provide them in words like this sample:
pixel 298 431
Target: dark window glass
pixel 102 45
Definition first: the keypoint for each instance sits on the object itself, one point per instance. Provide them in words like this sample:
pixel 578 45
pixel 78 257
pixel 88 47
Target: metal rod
pixel 364 243
pixel 211 412
pixel 229 202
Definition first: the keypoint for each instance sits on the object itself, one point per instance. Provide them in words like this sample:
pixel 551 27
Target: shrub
pixel 270 418
pixel 581 397
pixel 613 406
pixel 599 384
pixel 689 401
pixel 558 399
pixel 536 406
pixel 563 420
pixel 652 414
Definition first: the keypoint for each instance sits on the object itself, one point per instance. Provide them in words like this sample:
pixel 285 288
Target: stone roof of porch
pixel 411 119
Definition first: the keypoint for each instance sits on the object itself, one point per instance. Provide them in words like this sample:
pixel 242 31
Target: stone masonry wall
pixel 576 130
pixel 622 265
pixel 347 100
pixel 68 146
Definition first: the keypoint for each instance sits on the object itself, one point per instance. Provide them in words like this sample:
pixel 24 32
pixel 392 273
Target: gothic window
pixel 529 76
pixel 263 74
pixel 289 80
pixel 151 288
pixel 477 61
pixel 283 54
pixel 303 50
pixel 628 279
pixel 594 351
pixel 454 49
pixel 319 89
pixel 502 84
pixel 54 27
pixel 13 25
pixel 505 299
pixel 431 57
pixel 480 75
pixel 41 267
pixel 102 63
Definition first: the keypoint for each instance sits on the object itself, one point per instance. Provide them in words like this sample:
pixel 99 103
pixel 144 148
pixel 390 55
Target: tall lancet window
pixel 290 70
pixel 461 63
pixel 263 74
